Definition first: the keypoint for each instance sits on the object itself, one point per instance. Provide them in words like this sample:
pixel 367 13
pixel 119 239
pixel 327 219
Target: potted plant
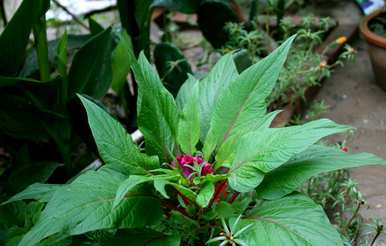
pixel 373 28
pixel 212 171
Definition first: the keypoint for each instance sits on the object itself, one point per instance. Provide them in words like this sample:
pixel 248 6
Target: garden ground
pixel 354 99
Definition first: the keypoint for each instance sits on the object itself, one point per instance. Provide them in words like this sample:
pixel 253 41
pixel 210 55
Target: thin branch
pixel 74 17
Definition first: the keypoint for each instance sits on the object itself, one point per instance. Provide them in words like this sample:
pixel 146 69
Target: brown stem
pixel 354 215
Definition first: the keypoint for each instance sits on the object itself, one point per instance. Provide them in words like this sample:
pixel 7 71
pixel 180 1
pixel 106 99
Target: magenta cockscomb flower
pixel 189 164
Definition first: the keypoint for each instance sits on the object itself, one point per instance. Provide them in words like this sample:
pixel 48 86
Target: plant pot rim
pixel 371 36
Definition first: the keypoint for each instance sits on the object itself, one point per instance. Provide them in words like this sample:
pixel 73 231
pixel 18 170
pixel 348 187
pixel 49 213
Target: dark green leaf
pixel 212 86
pixel 205 194
pixel 115 145
pixel 290 221
pixel 172 66
pixel 29 173
pixel 157 112
pixel 316 159
pixel 213 28
pixel 86 205
pixel 266 149
pixel 189 124
pixel 90 72
pixel 143 237
pixel 15 37
pixel 121 61
pixel 39 192
pixel 242 104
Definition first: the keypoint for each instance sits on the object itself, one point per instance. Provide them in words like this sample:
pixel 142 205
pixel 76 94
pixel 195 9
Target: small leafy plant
pixel 212 170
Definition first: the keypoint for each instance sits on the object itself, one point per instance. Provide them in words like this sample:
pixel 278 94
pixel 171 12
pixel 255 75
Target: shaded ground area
pixel 355 99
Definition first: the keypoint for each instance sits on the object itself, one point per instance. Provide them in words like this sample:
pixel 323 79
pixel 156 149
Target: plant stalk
pixel 40 35
pixel 3 14
pixel 379 231
pixel 253 11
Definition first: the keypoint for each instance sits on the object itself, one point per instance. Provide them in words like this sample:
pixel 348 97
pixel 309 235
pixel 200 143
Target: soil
pixel 355 99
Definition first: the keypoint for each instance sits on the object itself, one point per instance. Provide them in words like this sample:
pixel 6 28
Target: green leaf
pixel 39 192
pixel 213 85
pixel 159 185
pixel 226 153
pixel 121 61
pixel 266 149
pixel 213 29
pixel 135 18
pixel 315 160
pixel 86 205
pixel 143 237
pixel 205 194
pixel 127 185
pixel 14 39
pixel 189 124
pixel 243 103
pixel 183 6
pixel 94 26
pixel 28 173
pixel 188 193
pixel 90 72
pixel 157 111
pixel 184 94
pixel 115 145
pixel 292 220
pixel 172 66
pixel 62 59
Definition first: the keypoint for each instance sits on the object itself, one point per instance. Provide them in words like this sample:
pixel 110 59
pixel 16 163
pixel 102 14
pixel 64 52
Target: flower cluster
pixel 192 165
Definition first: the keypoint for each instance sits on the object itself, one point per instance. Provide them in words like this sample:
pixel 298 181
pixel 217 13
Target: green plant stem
pixel 253 11
pixel 3 14
pixel 40 35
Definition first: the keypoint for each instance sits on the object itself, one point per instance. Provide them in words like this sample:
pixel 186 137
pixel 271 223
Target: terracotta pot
pixel 376 48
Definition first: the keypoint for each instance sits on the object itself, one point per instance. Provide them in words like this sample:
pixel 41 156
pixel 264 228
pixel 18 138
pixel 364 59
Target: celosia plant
pixel 213 171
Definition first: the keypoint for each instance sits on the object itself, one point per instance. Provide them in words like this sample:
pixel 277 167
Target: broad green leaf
pixel 172 66
pixel 37 191
pixel 205 194
pixel 142 237
pixel 226 153
pixel 184 94
pixel 266 149
pixel 157 111
pixel 86 205
pixel 15 37
pixel 243 102
pixel 121 62
pixel 127 185
pixel 90 72
pixel 115 145
pixel 183 6
pixel 315 160
pixel 292 220
pixel 189 125
pixel 212 86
